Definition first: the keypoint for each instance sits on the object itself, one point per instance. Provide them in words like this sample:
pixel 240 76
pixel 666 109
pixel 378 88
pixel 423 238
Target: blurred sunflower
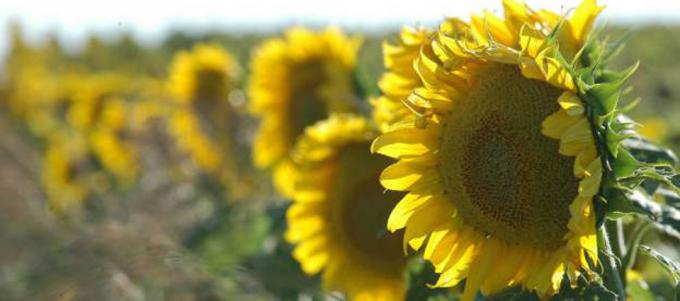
pixel 654 129
pixel 39 98
pixel 202 120
pixel 90 96
pixel 207 71
pixel 499 161
pixel 185 127
pixel 339 212
pixel 116 153
pixel 66 178
pixel 296 81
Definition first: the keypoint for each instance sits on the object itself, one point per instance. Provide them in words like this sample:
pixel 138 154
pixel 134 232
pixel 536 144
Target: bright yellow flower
pixel 654 129
pixel 202 121
pixel 401 78
pixel 297 80
pixel 63 174
pixel 117 154
pixel 339 211
pixel 500 163
pixel 90 95
pixel 207 71
pixel 186 129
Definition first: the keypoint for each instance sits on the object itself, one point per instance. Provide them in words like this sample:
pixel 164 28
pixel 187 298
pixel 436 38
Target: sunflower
pixel 205 72
pixel 66 177
pixel 339 211
pixel 400 79
pixel 201 119
pixel 654 129
pixel 189 137
pixel 297 80
pixel 117 154
pixel 499 159
pixel 90 96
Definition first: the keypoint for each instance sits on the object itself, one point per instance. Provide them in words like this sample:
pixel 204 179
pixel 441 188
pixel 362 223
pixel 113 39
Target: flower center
pixel 307 105
pixel 363 209
pixel 506 178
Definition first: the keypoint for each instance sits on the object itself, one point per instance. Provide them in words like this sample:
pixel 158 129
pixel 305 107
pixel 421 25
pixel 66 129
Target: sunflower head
pixel 339 211
pixel 110 144
pixel 297 80
pixel 206 73
pixel 89 97
pixel 66 177
pixel 496 153
pixel 185 127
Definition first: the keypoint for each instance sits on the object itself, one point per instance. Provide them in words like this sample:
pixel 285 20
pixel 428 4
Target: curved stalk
pixel 612 277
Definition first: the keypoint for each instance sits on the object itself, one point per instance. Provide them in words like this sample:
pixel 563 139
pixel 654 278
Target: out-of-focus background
pixel 175 233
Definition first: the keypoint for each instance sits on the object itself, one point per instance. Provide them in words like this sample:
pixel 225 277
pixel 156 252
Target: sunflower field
pixel 525 154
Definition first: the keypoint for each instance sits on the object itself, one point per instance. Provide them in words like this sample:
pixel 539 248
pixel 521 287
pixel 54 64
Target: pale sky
pixel 74 19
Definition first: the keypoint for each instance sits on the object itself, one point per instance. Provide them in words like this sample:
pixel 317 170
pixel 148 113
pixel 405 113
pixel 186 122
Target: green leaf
pixel 646 151
pixel 638 290
pixel 671 198
pixel 672 267
pixel 665 218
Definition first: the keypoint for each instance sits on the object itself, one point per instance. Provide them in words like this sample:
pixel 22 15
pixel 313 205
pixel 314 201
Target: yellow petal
pixel 571 103
pixel 424 221
pixel 311 255
pixel 590 185
pixel 577 138
pixel 465 254
pixel 583 160
pixel 557 123
pixel 405 143
pixel 582 20
pixel 403 211
pixel 406 175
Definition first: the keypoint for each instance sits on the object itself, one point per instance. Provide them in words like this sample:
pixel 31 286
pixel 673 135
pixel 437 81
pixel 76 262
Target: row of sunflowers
pixel 499 153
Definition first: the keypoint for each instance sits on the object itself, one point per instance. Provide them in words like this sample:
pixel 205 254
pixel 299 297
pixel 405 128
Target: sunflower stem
pixel 618 243
pixel 640 231
pixel 610 264
pixel 615 234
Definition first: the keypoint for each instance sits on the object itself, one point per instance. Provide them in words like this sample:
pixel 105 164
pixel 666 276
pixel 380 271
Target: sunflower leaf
pixel 638 290
pixel 671 198
pixel 665 218
pixel 672 267
pixel 649 152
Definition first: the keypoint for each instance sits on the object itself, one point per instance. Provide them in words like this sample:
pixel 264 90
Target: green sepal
pixel 584 290
pixel 625 164
pixel 614 139
pixel 620 76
